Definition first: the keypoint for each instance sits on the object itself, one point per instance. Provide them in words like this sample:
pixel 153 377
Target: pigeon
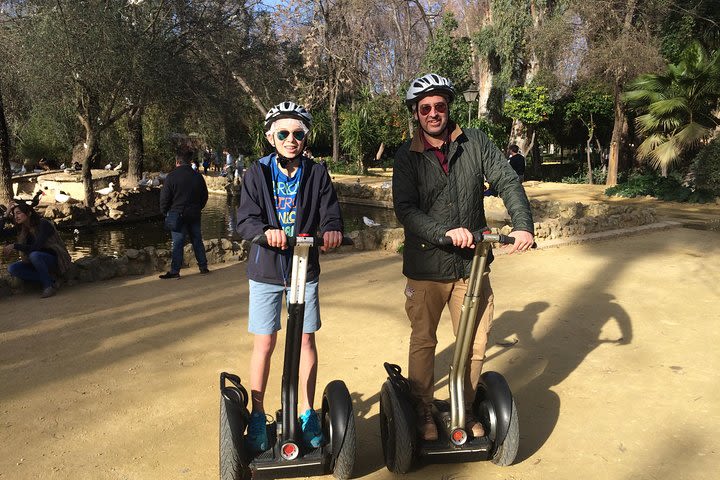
pixel 63 166
pixel 106 190
pixel 118 167
pixel 108 166
pixel 370 222
pixel 22 170
pixel 155 182
pixel 144 181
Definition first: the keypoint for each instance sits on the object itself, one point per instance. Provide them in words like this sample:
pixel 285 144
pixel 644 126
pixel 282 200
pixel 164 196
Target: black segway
pixel 493 406
pixel 288 457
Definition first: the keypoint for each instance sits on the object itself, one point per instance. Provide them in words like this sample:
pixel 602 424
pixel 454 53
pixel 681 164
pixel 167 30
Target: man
pixel 438 191
pixel 285 194
pixel 182 198
pixel 517 162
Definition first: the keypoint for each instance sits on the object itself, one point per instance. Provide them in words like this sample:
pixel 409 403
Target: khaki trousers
pixel 425 301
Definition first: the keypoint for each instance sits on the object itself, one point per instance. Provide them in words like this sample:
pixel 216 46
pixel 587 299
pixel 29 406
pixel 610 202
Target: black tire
pixel 396 433
pixel 507 450
pixel 233 465
pixel 337 411
pixel 345 461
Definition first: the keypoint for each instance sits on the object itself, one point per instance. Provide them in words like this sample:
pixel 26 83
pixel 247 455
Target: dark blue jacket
pixel 318 211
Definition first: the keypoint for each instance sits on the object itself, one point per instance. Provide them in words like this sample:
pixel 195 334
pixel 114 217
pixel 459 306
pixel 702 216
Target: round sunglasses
pixel 427 108
pixel 298 135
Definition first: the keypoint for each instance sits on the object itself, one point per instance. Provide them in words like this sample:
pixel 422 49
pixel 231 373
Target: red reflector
pixel 457 435
pixel 289 449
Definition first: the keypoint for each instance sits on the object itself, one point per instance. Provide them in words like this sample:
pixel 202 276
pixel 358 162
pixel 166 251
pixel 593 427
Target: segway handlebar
pixel 483 237
pixel 310 240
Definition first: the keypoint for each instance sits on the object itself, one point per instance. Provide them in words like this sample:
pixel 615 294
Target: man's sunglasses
pixel 299 135
pixel 426 109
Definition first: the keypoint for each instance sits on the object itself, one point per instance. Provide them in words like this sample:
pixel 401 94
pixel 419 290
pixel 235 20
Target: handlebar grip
pixel 313 241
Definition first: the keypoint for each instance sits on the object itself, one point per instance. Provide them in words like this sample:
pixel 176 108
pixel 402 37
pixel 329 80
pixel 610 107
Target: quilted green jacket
pixel 428 202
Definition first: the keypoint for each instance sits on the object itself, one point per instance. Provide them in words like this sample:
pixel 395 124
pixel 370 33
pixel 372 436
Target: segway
pixel 288 457
pixel 493 406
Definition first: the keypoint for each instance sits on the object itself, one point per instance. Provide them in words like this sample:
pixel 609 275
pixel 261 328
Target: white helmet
pixel 430 83
pixel 287 109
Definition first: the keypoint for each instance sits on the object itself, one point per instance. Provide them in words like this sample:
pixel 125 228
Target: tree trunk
pixel 6 191
pixel 91 155
pixel 589 160
pixel 253 97
pixel 335 123
pixel 616 139
pixel 136 152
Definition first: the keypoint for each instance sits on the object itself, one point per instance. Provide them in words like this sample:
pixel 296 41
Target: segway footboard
pixel 234 417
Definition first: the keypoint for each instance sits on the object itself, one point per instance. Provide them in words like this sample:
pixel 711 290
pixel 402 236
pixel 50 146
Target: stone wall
pixel 135 262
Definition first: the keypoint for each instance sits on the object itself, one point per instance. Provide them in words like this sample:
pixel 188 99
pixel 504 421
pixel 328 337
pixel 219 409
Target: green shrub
pixel 663 188
pixel 599 176
pixel 706 167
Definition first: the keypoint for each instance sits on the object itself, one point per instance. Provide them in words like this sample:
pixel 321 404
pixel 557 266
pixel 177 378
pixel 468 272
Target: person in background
pixel 182 198
pixel 517 162
pixel 437 188
pixel 285 194
pixel 43 255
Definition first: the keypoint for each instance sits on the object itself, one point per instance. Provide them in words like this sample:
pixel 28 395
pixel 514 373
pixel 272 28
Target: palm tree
pixel 679 107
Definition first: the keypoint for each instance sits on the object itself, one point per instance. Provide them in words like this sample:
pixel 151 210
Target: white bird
pixel 63 166
pixel 108 166
pixel 155 182
pixel 370 222
pixel 22 170
pixel 386 185
pixel 106 190
pixel 144 181
pixel 118 167
pixel 61 197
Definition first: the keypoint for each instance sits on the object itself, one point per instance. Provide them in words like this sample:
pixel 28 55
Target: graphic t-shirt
pixel 285 190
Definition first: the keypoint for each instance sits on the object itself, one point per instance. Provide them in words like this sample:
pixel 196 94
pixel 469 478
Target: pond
pixel 218 221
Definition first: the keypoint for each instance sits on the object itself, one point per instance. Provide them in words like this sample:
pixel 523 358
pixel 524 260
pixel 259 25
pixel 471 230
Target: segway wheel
pixel 396 430
pixel 233 462
pixel 339 426
pixel 495 406
pixel 506 451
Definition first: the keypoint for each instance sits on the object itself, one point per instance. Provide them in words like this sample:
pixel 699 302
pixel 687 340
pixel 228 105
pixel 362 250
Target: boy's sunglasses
pixel 439 107
pixel 299 135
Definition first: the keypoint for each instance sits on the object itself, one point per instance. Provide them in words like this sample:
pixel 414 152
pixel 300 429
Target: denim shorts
pixel 266 305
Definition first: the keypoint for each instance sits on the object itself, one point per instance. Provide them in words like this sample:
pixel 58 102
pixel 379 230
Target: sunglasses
pixel 298 135
pixel 426 109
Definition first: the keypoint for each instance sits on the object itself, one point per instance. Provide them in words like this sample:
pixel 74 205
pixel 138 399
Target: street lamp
pixel 471 94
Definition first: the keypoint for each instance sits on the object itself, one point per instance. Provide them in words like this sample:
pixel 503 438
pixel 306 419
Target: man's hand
pixel 461 237
pixel 523 241
pixel 8 249
pixel 331 239
pixel 276 238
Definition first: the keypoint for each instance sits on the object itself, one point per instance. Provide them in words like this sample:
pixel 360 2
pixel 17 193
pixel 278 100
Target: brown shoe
pixel 426 425
pixel 474 427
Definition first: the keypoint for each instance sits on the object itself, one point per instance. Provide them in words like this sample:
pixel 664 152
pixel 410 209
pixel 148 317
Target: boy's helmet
pixel 430 83
pixel 287 110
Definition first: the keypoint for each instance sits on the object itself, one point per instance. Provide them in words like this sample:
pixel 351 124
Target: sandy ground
pixel 614 371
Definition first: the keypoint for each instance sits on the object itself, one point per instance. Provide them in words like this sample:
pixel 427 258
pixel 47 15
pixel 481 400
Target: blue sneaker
pixel 312 435
pixel 257 440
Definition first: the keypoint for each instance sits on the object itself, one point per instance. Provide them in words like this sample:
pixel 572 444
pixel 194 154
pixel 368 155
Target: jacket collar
pixel 417 145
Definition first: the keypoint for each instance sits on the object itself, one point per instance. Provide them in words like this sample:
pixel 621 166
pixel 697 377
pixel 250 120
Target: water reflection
pixel 218 221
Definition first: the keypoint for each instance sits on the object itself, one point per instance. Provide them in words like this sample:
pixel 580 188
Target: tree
pixel 620 43
pixel 6 192
pixel 588 104
pixel 679 107
pixel 530 106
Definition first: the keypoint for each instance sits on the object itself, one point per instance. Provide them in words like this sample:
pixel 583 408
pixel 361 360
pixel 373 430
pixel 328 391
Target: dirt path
pixel 614 371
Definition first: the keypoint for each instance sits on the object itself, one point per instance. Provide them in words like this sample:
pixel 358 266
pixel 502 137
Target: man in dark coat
pixel 438 183
pixel 517 162
pixel 182 198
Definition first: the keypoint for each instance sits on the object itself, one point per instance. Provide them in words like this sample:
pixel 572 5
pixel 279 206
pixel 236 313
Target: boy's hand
pixel 276 238
pixel 331 239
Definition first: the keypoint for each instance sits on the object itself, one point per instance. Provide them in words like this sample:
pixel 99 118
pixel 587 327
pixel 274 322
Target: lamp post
pixel 471 94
